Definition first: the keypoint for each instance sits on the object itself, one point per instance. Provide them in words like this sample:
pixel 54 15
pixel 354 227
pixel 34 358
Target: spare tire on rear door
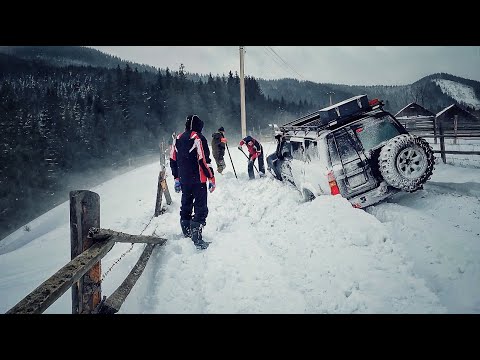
pixel 406 162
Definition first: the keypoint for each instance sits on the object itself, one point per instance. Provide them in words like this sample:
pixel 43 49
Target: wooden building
pixel 454 118
pixel 417 118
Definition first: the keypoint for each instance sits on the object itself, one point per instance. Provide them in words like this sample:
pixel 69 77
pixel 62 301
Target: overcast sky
pixel 350 65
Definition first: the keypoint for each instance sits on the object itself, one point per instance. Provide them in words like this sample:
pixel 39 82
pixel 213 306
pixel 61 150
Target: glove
pixel 178 185
pixel 211 184
pixel 223 140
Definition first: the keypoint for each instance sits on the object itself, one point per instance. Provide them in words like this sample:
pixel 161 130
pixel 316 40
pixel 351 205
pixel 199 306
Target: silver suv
pixel 353 148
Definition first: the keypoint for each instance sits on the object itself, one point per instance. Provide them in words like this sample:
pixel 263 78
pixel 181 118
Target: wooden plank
pixel 103 234
pixel 84 214
pixel 50 290
pixel 158 202
pixel 457 152
pixel 166 192
pixel 459 136
pixel 114 302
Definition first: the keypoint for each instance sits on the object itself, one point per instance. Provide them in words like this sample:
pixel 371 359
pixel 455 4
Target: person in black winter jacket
pixel 274 160
pixel 191 168
pixel 219 142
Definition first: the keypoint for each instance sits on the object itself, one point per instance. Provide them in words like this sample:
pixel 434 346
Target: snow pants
pixel 261 165
pixel 194 198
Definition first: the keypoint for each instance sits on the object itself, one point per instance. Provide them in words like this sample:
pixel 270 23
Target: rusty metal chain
pixel 97 285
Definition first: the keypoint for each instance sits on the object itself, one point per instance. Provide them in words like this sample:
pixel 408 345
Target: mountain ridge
pixel 424 91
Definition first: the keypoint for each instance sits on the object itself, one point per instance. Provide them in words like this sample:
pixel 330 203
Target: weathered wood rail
pixel 49 291
pixel 443 134
pixel 115 301
pixel 89 244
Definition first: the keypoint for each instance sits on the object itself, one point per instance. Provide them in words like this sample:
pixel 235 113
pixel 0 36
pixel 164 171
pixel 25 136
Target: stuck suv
pixel 353 148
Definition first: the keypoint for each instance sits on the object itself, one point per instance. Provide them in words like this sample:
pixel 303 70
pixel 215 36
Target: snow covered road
pixel 273 253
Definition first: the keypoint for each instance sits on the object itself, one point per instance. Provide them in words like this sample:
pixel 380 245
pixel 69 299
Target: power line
pixel 282 60
pixel 286 63
pixel 275 60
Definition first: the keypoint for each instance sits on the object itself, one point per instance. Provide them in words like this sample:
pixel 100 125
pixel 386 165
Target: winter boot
pixel 185 224
pixel 196 230
pixel 221 166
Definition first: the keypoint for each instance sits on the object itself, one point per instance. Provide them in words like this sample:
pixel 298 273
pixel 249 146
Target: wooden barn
pixel 417 118
pixel 454 118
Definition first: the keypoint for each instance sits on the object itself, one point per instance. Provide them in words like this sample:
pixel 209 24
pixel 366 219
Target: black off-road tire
pixel 406 162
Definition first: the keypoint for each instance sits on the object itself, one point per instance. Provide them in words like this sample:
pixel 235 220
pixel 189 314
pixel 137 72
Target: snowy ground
pixel 271 252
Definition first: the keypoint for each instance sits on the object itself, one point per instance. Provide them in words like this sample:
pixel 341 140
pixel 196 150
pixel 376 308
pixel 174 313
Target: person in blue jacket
pixel 191 168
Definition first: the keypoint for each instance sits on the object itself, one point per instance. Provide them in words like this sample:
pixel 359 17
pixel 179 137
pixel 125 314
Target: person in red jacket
pixel 255 151
pixel 191 168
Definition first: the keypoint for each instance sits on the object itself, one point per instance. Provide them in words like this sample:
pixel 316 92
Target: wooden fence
pixel 89 244
pixel 440 133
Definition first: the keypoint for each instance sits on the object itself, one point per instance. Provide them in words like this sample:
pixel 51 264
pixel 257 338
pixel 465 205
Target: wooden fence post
pixel 162 189
pixel 455 128
pixel 442 143
pixel 162 153
pixel 84 214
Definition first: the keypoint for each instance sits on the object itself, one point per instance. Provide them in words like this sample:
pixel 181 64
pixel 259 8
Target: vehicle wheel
pixel 406 162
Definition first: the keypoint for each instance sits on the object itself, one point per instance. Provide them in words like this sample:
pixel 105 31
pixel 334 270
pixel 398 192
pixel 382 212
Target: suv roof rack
pixel 316 121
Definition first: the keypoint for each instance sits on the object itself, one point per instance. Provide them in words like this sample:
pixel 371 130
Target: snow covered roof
pixel 413 110
pixel 444 110
pixel 454 109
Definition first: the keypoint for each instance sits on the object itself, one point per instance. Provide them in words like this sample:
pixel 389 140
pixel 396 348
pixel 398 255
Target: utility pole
pixel 242 94
pixel 330 93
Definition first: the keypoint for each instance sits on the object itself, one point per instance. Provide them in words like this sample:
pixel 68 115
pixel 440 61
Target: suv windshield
pixel 373 131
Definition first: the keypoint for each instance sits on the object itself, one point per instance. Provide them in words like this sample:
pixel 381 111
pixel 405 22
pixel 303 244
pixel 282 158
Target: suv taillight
pixel 333 184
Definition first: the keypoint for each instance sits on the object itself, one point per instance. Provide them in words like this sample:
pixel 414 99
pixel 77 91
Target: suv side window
pixel 285 149
pixel 297 150
pixel 346 146
pixel 332 150
pixel 311 151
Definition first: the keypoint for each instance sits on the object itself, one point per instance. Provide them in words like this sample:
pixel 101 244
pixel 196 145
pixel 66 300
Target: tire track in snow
pixel 450 263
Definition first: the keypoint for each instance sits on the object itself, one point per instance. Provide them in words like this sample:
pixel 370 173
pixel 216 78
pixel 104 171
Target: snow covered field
pixel 271 252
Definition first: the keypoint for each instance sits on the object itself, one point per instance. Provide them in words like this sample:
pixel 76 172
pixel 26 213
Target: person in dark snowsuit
pixel 191 168
pixel 219 142
pixel 255 151
pixel 274 160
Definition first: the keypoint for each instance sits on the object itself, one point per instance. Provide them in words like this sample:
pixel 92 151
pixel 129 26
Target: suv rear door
pixel 351 167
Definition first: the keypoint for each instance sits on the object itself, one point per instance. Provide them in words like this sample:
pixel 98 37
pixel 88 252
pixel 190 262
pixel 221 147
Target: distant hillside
pixel 60 125
pixel 71 55
pixel 433 92
pixel 465 92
